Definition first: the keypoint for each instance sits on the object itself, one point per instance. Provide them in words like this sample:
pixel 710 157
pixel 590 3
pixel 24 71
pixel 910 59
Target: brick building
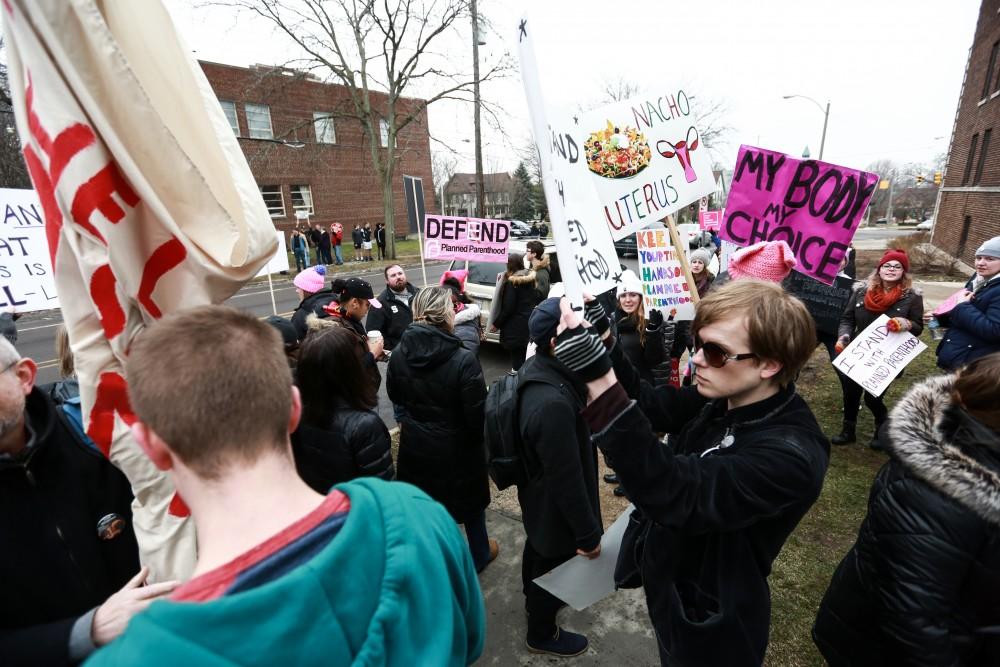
pixel 460 195
pixel 969 206
pixel 306 157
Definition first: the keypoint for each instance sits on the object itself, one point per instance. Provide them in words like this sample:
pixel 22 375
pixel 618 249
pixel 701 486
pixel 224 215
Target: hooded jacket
pixel 368 361
pixel 973 327
pixel 440 387
pixel 393 317
pixel 468 327
pixel 517 299
pixel 396 586
pixel 921 586
pixel 543 277
pixel 311 305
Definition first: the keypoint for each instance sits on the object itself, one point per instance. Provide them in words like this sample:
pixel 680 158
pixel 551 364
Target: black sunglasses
pixel 716 356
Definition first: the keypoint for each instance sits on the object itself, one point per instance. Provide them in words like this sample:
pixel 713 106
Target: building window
pixel 259 121
pixel 274 200
pixel 383 128
pixel 323 124
pixel 964 236
pixel 983 149
pixel 989 69
pixel 302 198
pixel 971 160
pixel 229 108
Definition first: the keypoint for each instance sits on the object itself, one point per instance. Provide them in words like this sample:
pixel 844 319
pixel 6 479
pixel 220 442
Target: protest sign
pixel 709 220
pixel 825 303
pixel 26 280
pixel 725 252
pixel 949 304
pixel 472 239
pixel 813 206
pixel 876 356
pixel 279 261
pixel 664 285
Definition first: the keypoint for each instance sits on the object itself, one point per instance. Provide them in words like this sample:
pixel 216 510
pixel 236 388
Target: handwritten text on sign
pixel 825 302
pixel 664 286
pixel 876 356
pixel 26 281
pixel 813 206
pixel 472 239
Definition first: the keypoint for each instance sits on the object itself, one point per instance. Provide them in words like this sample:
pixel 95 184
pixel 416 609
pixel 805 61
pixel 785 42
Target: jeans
pixel 301 260
pixel 541 605
pixel 324 255
pixel 479 541
pixel 340 256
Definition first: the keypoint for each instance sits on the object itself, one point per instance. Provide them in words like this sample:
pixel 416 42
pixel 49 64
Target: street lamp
pixel 826 117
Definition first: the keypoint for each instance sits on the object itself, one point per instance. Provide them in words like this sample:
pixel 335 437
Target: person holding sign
pixel 889 291
pixel 919 586
pixel 974 323
pixel 640 336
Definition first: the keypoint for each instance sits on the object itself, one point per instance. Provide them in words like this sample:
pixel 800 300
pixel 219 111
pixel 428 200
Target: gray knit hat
pixel 991 248
pixel 701 253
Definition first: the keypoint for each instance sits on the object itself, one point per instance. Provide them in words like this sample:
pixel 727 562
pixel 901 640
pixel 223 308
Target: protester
pixel 353 298
pixel 380 240
pixel 397 296
pixel 441 389
pixel 310 285
pixel 366 241
pixel 370 572
pixel 315 237
pixel 974 324
pixel 703 240
pixel 356 237
pixel 540 264
pixel 468 327
pixel 533 229
pixel 323 248
pixel 715 504
pixel 889 291
pixel 560 504
pixel 69 561
pixel 300 250
pixel 920 584
pixel 289 338
pixel 517 295
pixel 336 239
pixel 543 230
pixel 340 436
pixel 699 261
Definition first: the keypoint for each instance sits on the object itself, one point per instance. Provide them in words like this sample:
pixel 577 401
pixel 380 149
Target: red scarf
pixel 878 300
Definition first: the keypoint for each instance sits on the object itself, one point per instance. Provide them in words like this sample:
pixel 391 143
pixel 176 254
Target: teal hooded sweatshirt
pixel 396 586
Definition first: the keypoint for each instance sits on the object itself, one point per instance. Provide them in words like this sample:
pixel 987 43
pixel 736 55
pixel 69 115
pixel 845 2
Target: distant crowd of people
pixel 322 246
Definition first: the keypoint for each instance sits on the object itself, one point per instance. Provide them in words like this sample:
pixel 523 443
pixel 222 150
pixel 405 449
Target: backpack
pixel 510 463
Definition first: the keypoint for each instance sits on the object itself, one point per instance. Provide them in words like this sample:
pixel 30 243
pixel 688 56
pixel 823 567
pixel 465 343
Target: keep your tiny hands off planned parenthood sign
pixel 471 239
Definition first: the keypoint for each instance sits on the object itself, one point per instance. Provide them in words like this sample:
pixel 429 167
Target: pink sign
pixel 949 304
pixel 473 239
pixel 813 206
pixel 709 220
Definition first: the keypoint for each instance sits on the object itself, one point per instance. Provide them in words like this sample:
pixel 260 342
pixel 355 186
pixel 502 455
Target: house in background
pixel 307 159
pixel 460 195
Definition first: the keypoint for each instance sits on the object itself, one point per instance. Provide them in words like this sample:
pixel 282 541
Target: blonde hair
pixel 432 307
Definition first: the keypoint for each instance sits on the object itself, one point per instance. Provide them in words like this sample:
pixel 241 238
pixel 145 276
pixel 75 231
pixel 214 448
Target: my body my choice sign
pixel 813 206
pixel 473 239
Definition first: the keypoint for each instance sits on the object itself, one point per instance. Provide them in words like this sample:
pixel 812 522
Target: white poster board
pixel 26 280
pixel 664 285
pixel 278 262
pixel 876 356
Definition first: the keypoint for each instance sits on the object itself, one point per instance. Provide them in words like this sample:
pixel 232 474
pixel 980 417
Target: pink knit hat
pixel 311 280
pixel 767 260
pixel 461 275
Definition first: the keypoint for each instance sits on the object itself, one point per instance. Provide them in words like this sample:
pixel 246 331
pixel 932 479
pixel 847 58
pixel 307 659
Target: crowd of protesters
pixel 342 553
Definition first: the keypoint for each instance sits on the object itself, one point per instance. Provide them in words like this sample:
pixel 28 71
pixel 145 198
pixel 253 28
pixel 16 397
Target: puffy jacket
pixel 440 386
pixel 856 317
pixel 921 586
pixel 55 565
pixel 311 305
pixel 393 317
pixel 543 277
pixel 517 299
pixel 644 356
pixel 368 362
pixel 973 327
pixel 356 444
pixel 468 326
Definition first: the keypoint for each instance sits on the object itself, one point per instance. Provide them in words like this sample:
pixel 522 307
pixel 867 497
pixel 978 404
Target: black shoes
pixel 846 435
pixel 611 478
pixel 564 644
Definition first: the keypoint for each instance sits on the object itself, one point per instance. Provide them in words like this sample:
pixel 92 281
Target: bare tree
pixel 443 166
pixel 13 173
pixel 380 52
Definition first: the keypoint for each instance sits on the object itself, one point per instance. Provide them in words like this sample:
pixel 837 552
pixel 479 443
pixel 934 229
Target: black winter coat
pixel 715 506
pixel 643 356
pixel 355 444
pixel 440 387
pixel 53 564
pixel 393 317
pixel 921 586
pixel 560 504
pixel 311 305
pixel 517 299
pixel 368 362
pixel 856 317
pixel 973 328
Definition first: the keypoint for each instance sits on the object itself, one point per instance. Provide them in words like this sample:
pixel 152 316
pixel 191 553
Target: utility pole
pixel 480 187
pixel 826 119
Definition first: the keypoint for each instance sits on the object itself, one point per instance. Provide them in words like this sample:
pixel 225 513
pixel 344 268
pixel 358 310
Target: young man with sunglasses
pixel 745 462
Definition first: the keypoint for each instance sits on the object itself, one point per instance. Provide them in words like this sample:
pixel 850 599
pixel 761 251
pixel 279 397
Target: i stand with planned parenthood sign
pixel 876 356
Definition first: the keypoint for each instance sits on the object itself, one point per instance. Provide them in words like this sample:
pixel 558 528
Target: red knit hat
pixel 897 254
pixel 767 260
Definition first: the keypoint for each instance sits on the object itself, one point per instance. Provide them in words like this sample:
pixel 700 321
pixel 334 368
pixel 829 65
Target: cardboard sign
pixel 876 356
pixel 813 206
pixel 26 280
pixel 664 286
pixel 709 220
pixel 472 239
pixel 826 303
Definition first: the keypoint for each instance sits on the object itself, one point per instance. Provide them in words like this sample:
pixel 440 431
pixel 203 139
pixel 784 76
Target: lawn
pixel 407 252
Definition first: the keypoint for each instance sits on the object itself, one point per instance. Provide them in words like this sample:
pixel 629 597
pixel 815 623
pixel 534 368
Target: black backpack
pixel 510 462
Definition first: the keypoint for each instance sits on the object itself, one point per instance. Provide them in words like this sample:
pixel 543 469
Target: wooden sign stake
pixel 675 239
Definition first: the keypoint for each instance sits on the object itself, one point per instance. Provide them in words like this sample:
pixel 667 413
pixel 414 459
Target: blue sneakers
pixel 564 644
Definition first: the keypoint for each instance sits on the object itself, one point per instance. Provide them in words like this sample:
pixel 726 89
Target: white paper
pixel 580 582
pixel 26 280
pixel 277 263
pixel 876 356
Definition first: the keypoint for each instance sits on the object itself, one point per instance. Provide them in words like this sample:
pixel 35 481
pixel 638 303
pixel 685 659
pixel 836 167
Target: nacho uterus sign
pixel 472 239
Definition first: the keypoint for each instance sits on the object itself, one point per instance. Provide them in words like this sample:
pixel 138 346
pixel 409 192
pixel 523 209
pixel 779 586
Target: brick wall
pixel 962 195
pixel 343 181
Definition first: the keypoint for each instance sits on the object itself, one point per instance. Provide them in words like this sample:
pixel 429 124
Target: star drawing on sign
pixel 618 277
pixel 522 29
pixel 576 120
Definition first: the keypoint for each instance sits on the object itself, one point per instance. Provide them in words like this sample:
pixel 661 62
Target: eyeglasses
pixel 894 267
pixel 716 356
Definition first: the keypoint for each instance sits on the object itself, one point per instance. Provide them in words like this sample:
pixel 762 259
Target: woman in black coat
pixel 641 338
pixel 340 436
pixel 518 298
pixel 921 586
pixel 440 388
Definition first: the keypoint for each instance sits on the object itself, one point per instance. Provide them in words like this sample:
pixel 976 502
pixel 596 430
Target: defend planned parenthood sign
pixel 471 239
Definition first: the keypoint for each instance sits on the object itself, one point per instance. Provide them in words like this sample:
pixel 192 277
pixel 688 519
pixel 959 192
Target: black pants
pixel 541 605
pixel 324 255
pixel 517 355
pixel 852 402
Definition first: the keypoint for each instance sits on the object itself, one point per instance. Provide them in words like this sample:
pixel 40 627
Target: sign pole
pixel 675 239
pixel 420 242
pixel 270 288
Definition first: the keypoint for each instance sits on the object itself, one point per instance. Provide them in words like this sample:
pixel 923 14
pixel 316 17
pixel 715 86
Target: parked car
pixel 627 246
pixel 482 279
pixel 926 225
pixel 520 230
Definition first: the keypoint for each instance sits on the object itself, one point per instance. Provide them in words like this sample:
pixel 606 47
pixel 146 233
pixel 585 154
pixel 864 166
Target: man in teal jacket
pixel 372 573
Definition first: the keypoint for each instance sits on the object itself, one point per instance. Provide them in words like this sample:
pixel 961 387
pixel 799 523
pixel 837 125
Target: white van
pixel 482 279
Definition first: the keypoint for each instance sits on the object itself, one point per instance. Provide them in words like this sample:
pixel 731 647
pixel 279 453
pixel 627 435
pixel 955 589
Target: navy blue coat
pixel 973 328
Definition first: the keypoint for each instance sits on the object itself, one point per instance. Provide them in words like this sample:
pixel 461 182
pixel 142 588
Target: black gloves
pixel 582 352
pixel 654 319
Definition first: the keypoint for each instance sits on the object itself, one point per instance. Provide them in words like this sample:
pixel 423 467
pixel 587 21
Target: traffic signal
pixel 920 179
pixel 937 178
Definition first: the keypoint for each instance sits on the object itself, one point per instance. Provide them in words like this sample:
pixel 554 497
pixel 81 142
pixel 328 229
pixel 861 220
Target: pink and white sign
pixel 949 304
pixel 472 239
pixel 709 220
pixel 814 206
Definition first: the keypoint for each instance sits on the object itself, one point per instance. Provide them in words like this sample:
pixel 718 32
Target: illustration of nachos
pixel 617 152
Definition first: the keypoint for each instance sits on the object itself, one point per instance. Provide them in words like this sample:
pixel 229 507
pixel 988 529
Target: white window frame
pixel 251 111
pixel 305 193
pixel 281 194
pixel 383 130
pixel 229 111
pixel 326 131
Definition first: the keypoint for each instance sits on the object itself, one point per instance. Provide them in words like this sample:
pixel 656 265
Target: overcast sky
pixel 891 69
